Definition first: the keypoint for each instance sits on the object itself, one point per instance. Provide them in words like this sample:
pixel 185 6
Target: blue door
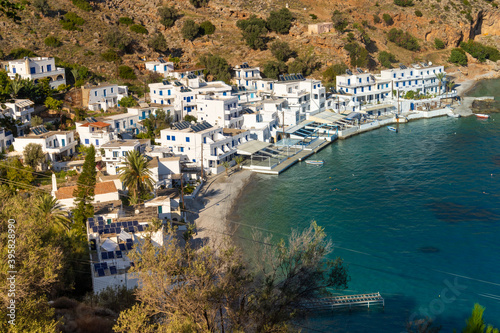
pixel 49 68
pixel 96 142
pixel 63 142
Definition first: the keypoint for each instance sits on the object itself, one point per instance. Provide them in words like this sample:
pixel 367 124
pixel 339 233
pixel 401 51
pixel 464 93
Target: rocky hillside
pixel 452 21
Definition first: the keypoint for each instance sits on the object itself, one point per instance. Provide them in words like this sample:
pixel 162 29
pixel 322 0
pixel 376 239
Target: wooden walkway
pixel 349 301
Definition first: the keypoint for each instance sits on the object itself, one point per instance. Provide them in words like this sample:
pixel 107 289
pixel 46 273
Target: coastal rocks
pixel 490 22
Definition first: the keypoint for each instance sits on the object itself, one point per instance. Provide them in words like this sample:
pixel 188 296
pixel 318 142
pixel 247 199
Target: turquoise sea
pixel 415 214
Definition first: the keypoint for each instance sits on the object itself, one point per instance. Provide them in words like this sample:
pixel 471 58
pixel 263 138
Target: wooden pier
pixel 348 301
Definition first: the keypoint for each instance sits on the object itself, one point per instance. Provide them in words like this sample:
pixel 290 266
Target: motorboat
pixel 393 129
pixel 482 115
pixel 315 162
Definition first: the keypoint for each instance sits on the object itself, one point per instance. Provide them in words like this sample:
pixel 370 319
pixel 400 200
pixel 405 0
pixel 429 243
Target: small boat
pixel 315 162
pixel 393 129
pixel 453 115
pixel 482 115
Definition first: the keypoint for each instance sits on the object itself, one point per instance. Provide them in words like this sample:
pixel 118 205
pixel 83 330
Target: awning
pixel 251 147
pixel 109 245
pixel 353 115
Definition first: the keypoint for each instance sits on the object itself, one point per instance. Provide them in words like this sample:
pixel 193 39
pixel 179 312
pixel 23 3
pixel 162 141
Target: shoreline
pixel 219 196
pixel 214 204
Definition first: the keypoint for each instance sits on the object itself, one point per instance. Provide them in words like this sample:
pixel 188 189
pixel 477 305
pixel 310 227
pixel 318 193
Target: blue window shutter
pixel 160 209
pixel 49 68
pixel 86 141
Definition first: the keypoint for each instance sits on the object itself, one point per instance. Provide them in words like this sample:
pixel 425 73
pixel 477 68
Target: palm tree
pixel 238 159
pixel 15 87
pixel 51 211
pixel 440 77
pixel 136 175
pixel 450 85
pixel 227 166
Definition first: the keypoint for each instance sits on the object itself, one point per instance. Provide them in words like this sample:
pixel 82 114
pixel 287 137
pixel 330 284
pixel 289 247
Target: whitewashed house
pixel 418 77
pixel 103 192
pixel 20 110
pixel 36 69
pixel 115 152
pixel 160 66
pixel 221 111
pixel 6 139
pixel 123 123
pixel 55 144
pixel 262 125
pixel 182 73
pixel 202 141
pixel 246 76
pixel 163 169
pixel 103 96
pixel 93 132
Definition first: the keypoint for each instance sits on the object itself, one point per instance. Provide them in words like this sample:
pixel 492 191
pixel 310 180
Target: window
pixel 95 93
pixel 112 90
pixel 394 75
pixel 173 138
pixel 168 137
pixel 32 70
pixel 204 140
pixel 14 70
pixel 124 153
pixel 87 141
pixel 187 139
pixel 168 93
pixel 115 154
pixel 181 149
pixel 131 121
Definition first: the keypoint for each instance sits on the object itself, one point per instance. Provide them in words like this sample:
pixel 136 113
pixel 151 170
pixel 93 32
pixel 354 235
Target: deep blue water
pixel 412 213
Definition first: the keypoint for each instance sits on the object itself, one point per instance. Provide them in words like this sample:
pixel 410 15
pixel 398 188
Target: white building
pixel 123 123
pixel 115 152
pixel 102 97
pixel 20 110
pixel 182 73
pixel 93 132
pixel 191 141
pixel 221 111
pixel 245 76
pixel 160 66
pixel 36 69
pixel 418 77
pixel 55 144
pixel 103 192
pixel 163 169
pixel 6 139
pixel 111 239
pixel 262 125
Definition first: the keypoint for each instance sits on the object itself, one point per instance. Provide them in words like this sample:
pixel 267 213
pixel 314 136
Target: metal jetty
pixel 330 303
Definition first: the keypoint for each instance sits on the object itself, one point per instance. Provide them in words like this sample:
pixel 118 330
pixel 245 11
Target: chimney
pixel 54 185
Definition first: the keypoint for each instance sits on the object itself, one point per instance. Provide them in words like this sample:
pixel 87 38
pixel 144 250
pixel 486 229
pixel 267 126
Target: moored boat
pixel 315 162
pixel 393 129
pixel 453 115
pixel 482 115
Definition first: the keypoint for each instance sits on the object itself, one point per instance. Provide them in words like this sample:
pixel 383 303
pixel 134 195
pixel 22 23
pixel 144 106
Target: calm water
pixel 412 213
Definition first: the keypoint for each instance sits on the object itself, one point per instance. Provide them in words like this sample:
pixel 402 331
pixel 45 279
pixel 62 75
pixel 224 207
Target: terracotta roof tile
pixel 100 188
pixel 96 124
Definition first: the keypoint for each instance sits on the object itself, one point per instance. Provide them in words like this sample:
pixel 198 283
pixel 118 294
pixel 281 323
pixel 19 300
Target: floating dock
pixel 348 301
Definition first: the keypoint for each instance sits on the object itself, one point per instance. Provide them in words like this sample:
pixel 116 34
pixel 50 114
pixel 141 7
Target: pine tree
pixel 84 193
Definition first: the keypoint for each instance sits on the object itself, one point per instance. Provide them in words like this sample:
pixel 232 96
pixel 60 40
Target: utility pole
pixel 202 159
pixel 182 196
pixel 283 125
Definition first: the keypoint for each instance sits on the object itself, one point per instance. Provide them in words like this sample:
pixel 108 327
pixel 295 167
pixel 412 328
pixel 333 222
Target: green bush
pixel 207 28
pixel 479 51
pixel 126 73
pixel 52 41
pixel 158 43
pixel 140 29
pixel 387 19
pixel 70 21
pixel 313 16
pixel 127 102
pixel 217 67
pixel 457 56
pixel 126 20
pixel 403 39
pixel 386 59
pixel 280 21
pixel 199 3
pixel 376 19
pixel 253 30
pixel 168 16
pixel 111 56
pixel 331 73
pixel 340 23
pixel 438 44
pixel 418 13
pixel 281 51
pixel 190 30
pixel 42 6
pixel 272 69
pixel 83 5
pixel 116 38
pixel 403 3
pixel 358 54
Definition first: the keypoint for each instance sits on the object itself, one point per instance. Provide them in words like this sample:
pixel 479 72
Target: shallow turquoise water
pixel 412 213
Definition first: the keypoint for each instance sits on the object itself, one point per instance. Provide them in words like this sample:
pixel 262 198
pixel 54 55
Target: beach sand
pixel 213 204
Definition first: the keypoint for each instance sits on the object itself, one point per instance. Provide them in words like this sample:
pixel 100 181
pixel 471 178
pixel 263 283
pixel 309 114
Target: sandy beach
pixel 213 204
